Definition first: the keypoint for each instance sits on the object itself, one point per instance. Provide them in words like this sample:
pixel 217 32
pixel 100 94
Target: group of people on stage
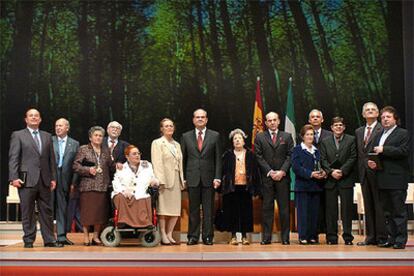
pixel 325 163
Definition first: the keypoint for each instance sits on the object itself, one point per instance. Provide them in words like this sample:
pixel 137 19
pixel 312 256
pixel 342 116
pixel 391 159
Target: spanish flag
pixel 258 121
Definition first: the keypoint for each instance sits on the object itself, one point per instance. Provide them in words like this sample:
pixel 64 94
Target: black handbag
pixel 219 219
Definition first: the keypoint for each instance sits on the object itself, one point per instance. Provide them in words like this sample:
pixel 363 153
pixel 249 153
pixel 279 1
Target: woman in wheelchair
pixel 130 185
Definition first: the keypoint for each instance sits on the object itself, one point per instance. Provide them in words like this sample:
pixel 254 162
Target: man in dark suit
pixel 202 162
pixel 116 146
pixel 393 172
pixel 365 137
pixel 65 151
pixel 273 148
pixel 32 169
pixel 315 118
pixel 338 156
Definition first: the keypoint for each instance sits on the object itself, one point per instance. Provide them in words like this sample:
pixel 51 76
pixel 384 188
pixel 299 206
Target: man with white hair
pixel 316 119
pixel 115 145
pixel 366 136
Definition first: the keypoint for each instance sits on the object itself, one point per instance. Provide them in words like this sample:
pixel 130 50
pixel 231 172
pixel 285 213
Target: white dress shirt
pixel 385 134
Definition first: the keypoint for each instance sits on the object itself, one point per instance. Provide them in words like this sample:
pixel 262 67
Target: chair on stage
pixel 410 200
pixel 12 198
pixel 359 201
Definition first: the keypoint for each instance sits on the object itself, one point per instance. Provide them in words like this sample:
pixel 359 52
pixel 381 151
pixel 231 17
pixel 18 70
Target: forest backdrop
pixel 140 61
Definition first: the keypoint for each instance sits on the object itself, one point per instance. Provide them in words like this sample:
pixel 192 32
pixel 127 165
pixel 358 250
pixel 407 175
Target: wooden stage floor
pixel 130 253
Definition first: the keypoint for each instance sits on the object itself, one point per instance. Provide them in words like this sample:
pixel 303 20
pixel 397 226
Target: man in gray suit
pixel 32 169
pixel 273 148
pixel 65 151
pixel 365 137
pixel 202 162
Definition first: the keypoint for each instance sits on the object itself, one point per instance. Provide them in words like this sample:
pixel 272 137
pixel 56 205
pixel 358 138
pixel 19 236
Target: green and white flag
pixel 290 127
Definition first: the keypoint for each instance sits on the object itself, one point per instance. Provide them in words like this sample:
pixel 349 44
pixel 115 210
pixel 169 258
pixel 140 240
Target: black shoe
pixel 28 245
pixel 332 242
pixel 165 243
pixel 265 242
pixel 385 245
pixel 285 242
pixel 208 241
pixel 349 243
pixel 66 242
pixel 313 241
pixel 399 246
pixel 365 243
pixel 304 242
pixel 53 244
pixel 192 241
pixel 97 243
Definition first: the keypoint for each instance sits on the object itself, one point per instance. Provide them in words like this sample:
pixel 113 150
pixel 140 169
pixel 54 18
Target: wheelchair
pixel 149 236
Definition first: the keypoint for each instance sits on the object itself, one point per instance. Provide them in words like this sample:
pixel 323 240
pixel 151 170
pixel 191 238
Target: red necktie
pixel 200 140
pixel 274 137
pixel 367 136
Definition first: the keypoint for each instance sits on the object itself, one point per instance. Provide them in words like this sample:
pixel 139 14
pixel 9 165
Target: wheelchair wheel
pixel 150 238
pixel 110 237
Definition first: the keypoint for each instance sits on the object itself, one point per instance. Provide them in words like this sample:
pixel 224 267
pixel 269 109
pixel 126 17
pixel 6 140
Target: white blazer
pixel 126 179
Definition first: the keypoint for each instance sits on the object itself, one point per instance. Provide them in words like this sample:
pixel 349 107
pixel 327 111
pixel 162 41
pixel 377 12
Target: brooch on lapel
pixel 144 164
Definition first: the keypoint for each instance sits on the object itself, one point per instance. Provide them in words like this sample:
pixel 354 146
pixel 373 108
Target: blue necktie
pixel 316 137
pixel 60 153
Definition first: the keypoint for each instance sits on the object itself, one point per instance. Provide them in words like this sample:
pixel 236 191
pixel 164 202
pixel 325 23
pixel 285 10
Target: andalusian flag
pixel 258 122
pixel 290 127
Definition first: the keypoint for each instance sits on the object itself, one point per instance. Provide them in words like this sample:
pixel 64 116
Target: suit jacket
pixel 274 156
pixel 204 166
pixel 167 162
pixel 394 158
pixel 24 156
pixel 364 150
pixel 71 149
pixel 303 164
pixel 118 152
pixel 324 134
pixel 344 157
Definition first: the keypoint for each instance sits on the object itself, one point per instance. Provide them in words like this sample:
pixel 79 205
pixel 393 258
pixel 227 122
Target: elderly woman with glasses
pixel 93 164
pixel 240 181
pixel 130 186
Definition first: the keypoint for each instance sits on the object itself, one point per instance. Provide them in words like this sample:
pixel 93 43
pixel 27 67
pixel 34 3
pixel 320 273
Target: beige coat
pixel 167 162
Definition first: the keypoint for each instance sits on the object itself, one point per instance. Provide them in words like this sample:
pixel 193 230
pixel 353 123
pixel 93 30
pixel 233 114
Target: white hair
pixel 368 103
pixel 115 124
pixel 315 110
pixel 237 131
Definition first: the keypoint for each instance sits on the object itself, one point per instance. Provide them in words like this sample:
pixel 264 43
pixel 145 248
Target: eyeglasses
pixel 135 153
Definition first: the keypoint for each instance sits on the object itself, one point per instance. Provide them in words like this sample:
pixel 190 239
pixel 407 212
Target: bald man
pixel 65 149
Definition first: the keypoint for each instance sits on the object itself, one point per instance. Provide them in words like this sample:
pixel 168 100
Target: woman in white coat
pixel 130 190
pixel 168 168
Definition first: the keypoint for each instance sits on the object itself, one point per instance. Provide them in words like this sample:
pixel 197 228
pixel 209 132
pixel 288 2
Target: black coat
pixel 252 172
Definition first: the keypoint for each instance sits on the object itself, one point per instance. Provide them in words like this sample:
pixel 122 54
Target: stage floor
pixel 131 254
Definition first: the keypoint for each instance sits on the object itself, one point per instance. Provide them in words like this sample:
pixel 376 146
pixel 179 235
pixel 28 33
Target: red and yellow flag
pixel 258 121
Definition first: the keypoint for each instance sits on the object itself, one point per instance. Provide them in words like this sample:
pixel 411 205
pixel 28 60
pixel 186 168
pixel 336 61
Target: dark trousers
pixel 238 210
pixel 307 204
pixel 73 213
pixel 331 197
pixel 374 214
pixel 278 190
pixel 28 196
pixel 396 215
pixel 203 196
pixel 60 198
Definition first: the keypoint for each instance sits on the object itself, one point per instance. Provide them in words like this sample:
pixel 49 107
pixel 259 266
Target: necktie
pixel 367 136
pixel 37 140
pixel 111 148
pixel 200 140
pixel 316 137
pixel 274 137
pixel 61 153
